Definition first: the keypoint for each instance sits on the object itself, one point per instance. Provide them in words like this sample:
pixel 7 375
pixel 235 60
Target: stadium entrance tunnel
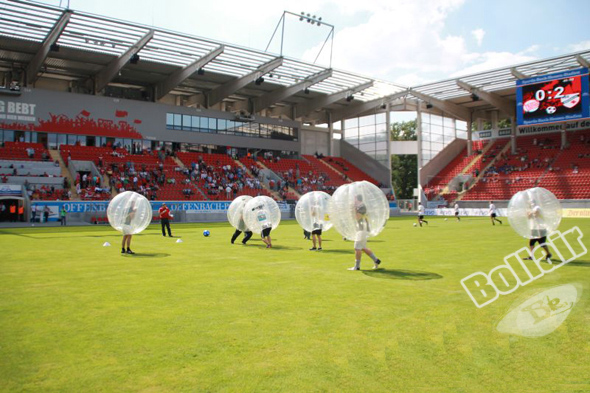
pixel 412 275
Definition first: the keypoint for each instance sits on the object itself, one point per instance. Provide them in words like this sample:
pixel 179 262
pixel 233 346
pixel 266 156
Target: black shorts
pixel 266 232
pixel 317 232
pixel 420 217
pixel 540 240
pixel 456 213
pixel 493 215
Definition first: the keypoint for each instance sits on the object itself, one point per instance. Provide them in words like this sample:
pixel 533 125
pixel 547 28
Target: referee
pixel 165 219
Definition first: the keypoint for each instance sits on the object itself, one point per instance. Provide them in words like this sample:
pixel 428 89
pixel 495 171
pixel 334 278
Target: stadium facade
pixel 73 78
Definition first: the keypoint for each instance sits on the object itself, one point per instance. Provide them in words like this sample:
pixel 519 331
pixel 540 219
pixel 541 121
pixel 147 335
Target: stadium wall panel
pixel 60 112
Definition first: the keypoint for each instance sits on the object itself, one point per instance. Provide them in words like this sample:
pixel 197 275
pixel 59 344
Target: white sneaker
pixel 354 268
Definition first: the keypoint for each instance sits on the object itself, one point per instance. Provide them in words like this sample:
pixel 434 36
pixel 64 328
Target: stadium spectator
pixel 62 216
pixel 46 212
pixel 12 211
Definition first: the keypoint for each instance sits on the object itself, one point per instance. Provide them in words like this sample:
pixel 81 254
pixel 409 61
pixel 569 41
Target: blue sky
pixel 404 41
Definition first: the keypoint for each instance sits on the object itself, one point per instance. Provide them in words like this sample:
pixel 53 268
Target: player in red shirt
pixel 165 217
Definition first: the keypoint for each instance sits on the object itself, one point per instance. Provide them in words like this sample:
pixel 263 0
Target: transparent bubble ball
pixel 261 212
pixel 311 211
pixel 358 207
pixel 534 213
pixel 129 213
pixel 235 212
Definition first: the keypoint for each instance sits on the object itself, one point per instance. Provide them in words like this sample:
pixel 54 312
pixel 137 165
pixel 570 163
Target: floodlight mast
pixel 309 19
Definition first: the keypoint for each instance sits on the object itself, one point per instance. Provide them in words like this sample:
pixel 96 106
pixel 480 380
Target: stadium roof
pixel 95 51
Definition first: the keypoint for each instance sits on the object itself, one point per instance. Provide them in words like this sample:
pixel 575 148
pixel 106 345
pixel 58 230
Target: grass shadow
pixel 579 263
pixel 411 275
pixel 283 247
pixel 337 251
pixel 148 255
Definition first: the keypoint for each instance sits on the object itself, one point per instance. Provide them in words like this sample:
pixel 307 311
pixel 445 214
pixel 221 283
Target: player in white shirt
pixel 492 213
pixel 457 212
pixel 362 234
pixel 538 230
pixel 421 214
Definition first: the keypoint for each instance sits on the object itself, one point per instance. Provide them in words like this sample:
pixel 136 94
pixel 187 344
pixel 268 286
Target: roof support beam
pixel 450 108
pixel 517 74
pixel 278 95
pixel 307 107
pixel 167 85
pixel 107 74
pixel 37 61
pixel 218 94
pixel 503 104
pixel 355 110
pixel 583 62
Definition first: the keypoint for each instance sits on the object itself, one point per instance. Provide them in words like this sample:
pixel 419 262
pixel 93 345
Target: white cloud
pixel 406 42
pixel 411 79
pixel 399 38
pixel 531 49
pixel 491 60
pixel 580 46
pixel 478 34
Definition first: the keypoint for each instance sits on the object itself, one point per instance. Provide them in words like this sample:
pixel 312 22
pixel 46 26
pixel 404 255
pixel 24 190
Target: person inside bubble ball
pixel 247 233
pixel 316 234
pixel 263 218
pixel 126 229
pixel 538 230
pixel 360 210
pixel 362 235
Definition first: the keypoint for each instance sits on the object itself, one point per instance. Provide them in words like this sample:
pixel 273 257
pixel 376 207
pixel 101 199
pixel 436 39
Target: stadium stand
pixel 332 176
pixel 570 174
pixel 349 170
pixel 42 180
pixel 24 151
pixel 462 163
pixel 220 176
pixel 539 161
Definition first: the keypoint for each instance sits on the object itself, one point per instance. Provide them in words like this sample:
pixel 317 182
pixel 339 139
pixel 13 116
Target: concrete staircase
pixel 275 194
pixel 65 172
pixel 468 167
pixel 483 171
pixel 333 168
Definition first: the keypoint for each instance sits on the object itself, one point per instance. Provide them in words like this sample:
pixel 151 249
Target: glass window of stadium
pixel 438 132
pixel 370 135
pixel 213 125
pixel 52 141
pixel 8 136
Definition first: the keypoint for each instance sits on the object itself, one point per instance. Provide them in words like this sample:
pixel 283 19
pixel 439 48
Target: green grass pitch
pixel 205 315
